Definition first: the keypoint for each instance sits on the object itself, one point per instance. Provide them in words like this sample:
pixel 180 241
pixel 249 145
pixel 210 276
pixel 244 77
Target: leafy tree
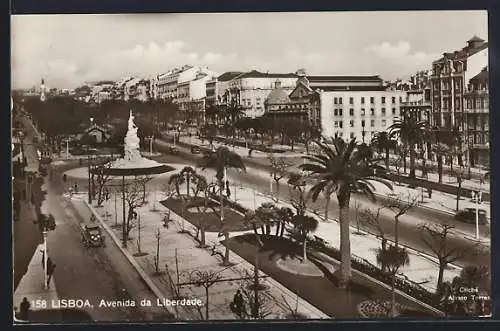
pixel 383 141
pixel 343 169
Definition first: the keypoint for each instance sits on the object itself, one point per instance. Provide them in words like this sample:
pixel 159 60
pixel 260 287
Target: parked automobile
pixel 195 150
pixel 468 215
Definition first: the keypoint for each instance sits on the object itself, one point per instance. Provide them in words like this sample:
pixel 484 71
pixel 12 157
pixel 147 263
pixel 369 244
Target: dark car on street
pixel 468 215
pixel 172 150
pixel 195 150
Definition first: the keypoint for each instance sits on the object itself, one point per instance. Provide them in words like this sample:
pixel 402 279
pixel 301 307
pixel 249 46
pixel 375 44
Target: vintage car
pixel 92 236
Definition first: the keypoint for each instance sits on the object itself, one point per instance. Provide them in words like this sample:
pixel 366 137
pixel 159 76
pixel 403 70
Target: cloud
pixel 401 55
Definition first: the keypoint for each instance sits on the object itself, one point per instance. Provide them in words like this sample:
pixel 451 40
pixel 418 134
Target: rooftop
pixel 351 88
pixel 228 76
pixel 375 78
pixel 258 74
pixel 482 76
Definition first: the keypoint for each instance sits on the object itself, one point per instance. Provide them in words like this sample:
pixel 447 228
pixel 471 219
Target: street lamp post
pixel 45 258
pixel 124 232
pixel 477 197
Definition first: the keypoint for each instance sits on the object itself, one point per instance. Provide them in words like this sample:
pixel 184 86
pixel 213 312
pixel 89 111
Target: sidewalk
pixel 190 259
pixel 32 285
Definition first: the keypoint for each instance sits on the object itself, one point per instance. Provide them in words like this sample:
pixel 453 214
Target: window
pixel 340 100
pixel 383 111
pixel 372 100
pixel 335 124
pixel 384 123
pixel 393 111
pixel 362 112
pixel 351 123
pixel 335 112
pixel 351 100
pixel 400 99
pixel 363 123
pixel 372 111
pixel 340 112
pixel 341 133
pixel 362 100
pixel 335 101
pixel 372 123
pixel 393 100
pixel 383 99
pixel 352 135
pixel 351 112
pixel 340 124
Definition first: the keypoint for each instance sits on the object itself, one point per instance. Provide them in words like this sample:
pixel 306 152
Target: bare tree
pixel 133 199
pixel 102 178
pixel 206 279
pixel 371 217
pixel 435 236
pixel 400 206
pixel 142 181
pixel 279 166
pixel 397 163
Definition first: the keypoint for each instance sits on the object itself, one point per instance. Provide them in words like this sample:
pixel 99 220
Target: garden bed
pixel 193 213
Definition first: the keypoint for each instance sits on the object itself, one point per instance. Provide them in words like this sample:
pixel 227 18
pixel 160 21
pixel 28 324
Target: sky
pixel 69 50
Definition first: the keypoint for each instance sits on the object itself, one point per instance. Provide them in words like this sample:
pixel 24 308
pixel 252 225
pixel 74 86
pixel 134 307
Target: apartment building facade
pixel 358 112
pixel 450 76
pixel 250 90
pixel 477 120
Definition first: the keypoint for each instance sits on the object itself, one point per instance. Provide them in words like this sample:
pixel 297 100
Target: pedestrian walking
pixel 24 309
pixel 228 191
pixel 238 305
pixel 49 263
pixel 43 258
pixel 50 272
pixel 75 188
pixel 65 178
pixel 32 198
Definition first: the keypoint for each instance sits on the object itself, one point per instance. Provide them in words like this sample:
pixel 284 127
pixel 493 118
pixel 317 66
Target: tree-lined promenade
pixel 332 167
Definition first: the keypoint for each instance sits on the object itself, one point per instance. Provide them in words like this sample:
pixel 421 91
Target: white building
pixel 358 112
pixel 251 89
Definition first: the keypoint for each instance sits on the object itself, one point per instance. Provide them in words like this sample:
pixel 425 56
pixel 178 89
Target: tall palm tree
pixel 342 168
pixel 441 150
pixel 411 132
pixel 393 258
pixel 221 160
pixel 383 141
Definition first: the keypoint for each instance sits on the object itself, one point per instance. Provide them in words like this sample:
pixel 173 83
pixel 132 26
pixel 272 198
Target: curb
pixel 406 296
pixel 152 286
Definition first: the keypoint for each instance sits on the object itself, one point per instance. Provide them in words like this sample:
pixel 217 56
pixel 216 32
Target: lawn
pixel 194 214
pixel 321 292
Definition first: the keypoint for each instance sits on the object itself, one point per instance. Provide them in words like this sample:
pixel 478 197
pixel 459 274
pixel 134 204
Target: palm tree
pixel 188 173
pixel 383 141
pixel 343 169
pixel 441 150
pixel 411 132
pixel 220 160
pixel 393 258
pixel 304 225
